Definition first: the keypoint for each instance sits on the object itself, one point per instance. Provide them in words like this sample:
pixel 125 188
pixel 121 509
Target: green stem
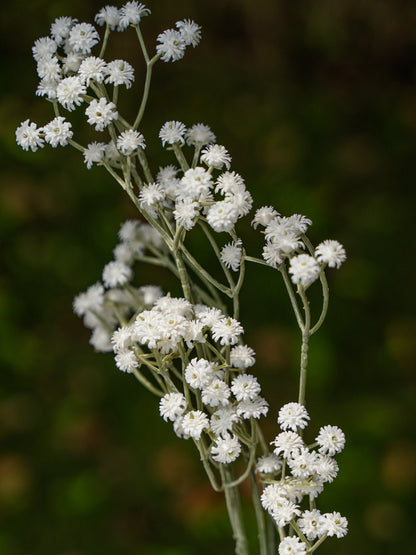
pixel 260 515
pixel 289 288
pixel 304 347
pixel 180 157
pixel 232 500
pixel 105 41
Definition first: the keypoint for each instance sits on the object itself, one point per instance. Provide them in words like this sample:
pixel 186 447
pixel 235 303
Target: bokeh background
pixel 315 101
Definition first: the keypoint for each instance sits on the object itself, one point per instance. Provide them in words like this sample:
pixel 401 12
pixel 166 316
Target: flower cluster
pixel 295 470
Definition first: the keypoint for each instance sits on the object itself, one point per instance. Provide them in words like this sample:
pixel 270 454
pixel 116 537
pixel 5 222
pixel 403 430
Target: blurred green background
pixel 315 101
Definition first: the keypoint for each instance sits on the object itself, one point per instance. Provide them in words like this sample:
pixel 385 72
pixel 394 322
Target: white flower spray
pixel 189 351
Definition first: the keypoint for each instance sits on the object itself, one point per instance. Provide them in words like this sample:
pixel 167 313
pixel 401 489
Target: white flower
pixel 297 222
pixel 226 450
pixel 264 216
pixel 208 316
pixel 230 183
pixel 286 443
pixel 222 216
pixel 194 422
pixel 284 511
pixel 291 546
pixel 302 462
pixel 47 88
pixel 333 524
pixel 227 331
pixel 310 524
pixel 199 134
pixel 82 37
pixel 171 45
pixel 48 68
pixel 60 29
pixel 304 269
pixel 172 406
pixel 199 373
pixel 253 408
pixel 129 141
pixel 120 73
pixel 71 62
pixel 175 305
pixel 172 132
pixel 126 360
pixel 100 340
pixel 58 131
pixel 242 356
pixel 150 196
pixel 94 153
pixel 69 92
pixel 241 200
pixel 293 416
pixel 122 338
pixel 272 255
pixel 189 31
pixel 216 393
pixel 92 69
pixel 195 183
pixel 151 293
pixel 28 136
pixel 223 420
pixel 132 13
pixel 109 15
pixel 216 156
pixel 231 255
pixel 272 494
pixel 331 253
pixel 185 213
pixel 194 333
pixel 245 387
pixel 326 468
pixel 116 273
pixel 91 299
pixel 269 464
pixel 283 235
pixel 44 46
pixel 331 440
pixel 101 113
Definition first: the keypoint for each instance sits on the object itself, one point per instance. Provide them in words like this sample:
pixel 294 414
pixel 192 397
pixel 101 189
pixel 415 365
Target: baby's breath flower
pixel 91 299
pixel 253 408
pixel 245 387
pixel 230 183
pixel 58 132
pixel 189 31
pixel 216 156
pixel 48 68
pixel 171 45
pixel 194 422
pixel 94 153
pixel 69 92
pixel 264 216
pixel 172 406
pixel 185 213
pixel 222 216
pixel 231 255
pixel 126 361
pixel 28 135
pixel 131 14
pixel 331 440
pixel 120 73
pixel 101 113
pixel 333 524
pixel 92 69
pixel 293 416
pixel 109 15
pixel 272 254
pixel 242 356
pixel 291 546
pixel 116 273
pixel 44 46
pixel 304 269
pixel 150 196
pixel 199 373
pixel 216 393
pixel 172 132
pixel 226 450
pixel 331 253
pixel 82 37
pixel 60 29
pixel 269 464
pixel 200 134
pixel 310 524
pixel 223 420
pixel 129 141
pixel 286 443
pixel 227 331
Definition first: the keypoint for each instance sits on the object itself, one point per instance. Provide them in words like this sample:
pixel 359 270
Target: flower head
pixel 293 416
pixel 82 37
pixel 101 113
pixel 199 134
pixel 131 14
pixel 189 31
pixel 231 255
pixel 129 141
pixel 226 449
pixel 171 45
pixel 120 73
pixel 28 135
pixel 331 253
pixel 172 132
pixel 216 156
pixel 304 269
pixel 331 440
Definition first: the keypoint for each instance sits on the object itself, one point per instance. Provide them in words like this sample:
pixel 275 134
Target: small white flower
pixel 227 331
pixel 120 73
pixel 272 494
pixel 199 373
pixel 172 132
pixel 194 422
pixel 48 68
pixel 129 141
pixel 195 183
pixel 82 37
pixel 291 546
pixel 208 316
pixel 185 213
pixel 231 255
pixel 333 524
pixel 331 253
pixel 302 462
pixel 272 254
pixel 216 393
pixel 28 135
pixel 101 113
pixel 242 356
pixel 109 15
pixel 331 440
pixel 264 216
pixel 326 467
pixel 253 408
pixel 269 464
pixel 44 46
pixel 60 29
pixel 131 14
pixel 172 406
pixel 226 450
pixel 58 131
pixel 92 69
pixel 122 338
pixel 284 511
pixel 223 420
pixel 71 62
pixel 222 216
pixel 91 299
pixel 94 153
pixel 216 156
pixel 100 340
pixel 151 293
pixel 126 360
pixel 69 92
pixel 171 45
pixel 245 387
pixel 286 443
pixel 293 416
pixel 199 134
pixel 116 273
pixel 47 88
pixel 304 269
pixel 189 31
pixel 310 524
pixel 230 183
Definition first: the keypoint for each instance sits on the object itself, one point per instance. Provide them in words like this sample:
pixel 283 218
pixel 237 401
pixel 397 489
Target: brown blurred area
pixel 315 101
